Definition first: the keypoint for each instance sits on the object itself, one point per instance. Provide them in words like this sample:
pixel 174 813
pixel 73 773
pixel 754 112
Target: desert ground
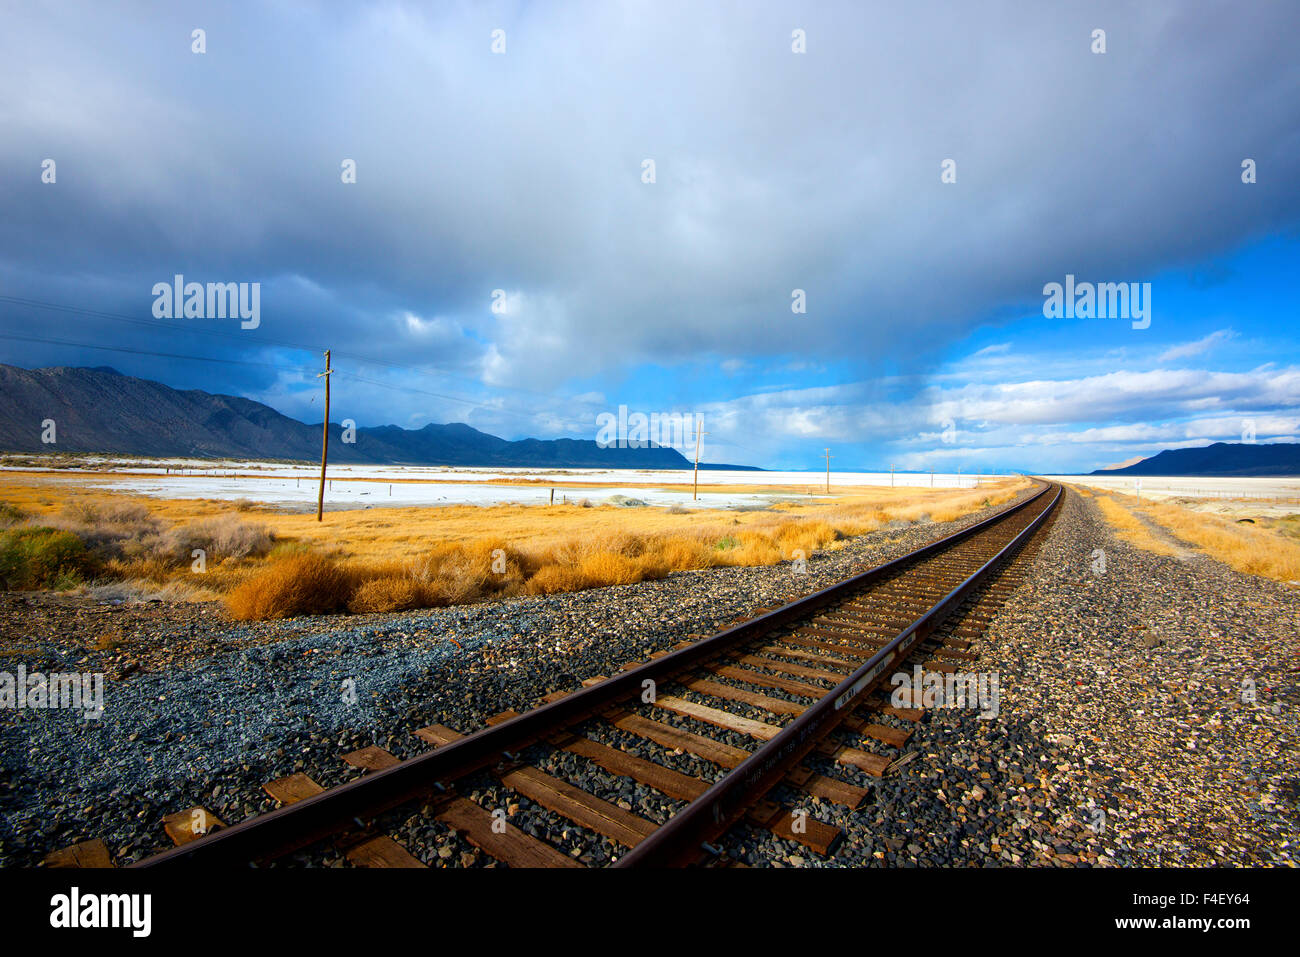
pixel 1123 658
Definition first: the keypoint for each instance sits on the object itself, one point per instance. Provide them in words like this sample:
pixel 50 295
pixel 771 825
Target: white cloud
pixel 1053 422
pixel 521 171
pixel 1189 349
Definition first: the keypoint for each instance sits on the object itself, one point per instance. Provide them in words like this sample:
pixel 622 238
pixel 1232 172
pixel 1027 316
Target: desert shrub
pixel 283 549
pixel 224 536
pixel 755 549
pixel 123 513
pixel 111 531
pixel 467 572
pixel 125 532
pixel 81 513
pixel 454 573
pixel 653 565
pixel 394 593
pixel 678 554
pixel 106 513
pixel 43 558
pixel 568 553
pixel 554 578
pixel 804 536
pixel 621 543
pixel 304 584
pixel 147 568
pixel 10 515
pixel 608 568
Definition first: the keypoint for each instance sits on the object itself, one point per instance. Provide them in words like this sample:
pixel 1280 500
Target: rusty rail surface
pixel 339 809
pixel 711 814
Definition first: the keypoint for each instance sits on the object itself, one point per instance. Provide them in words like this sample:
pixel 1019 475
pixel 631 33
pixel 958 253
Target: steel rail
pixel 679 841
pixel 312 819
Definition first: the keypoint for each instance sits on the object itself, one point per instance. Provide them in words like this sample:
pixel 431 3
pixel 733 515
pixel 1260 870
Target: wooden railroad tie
pixel 371 758
pixel 185 826
pixel 87 854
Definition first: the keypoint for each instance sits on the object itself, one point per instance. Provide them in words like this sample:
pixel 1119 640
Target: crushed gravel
pixel 200 710
pixel 1122 736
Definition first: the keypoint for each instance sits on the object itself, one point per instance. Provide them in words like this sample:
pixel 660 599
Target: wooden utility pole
pixel 931 478
pixel 325 437
pixel 959 476
pixel 699 425
pixel 891 475
pixel 828 471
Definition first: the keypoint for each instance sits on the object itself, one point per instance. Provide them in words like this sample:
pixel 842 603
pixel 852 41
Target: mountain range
pixel 99 410
pixel 1229 459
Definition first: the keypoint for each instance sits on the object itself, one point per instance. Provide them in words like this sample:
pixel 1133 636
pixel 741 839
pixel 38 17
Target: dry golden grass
pixel 1246 548
pixel 372 560
pixel 611 568
pixel 552 579
pixel 296 585
pixel 1253 549
pixel 389 593
pixel 405 532
pixel 1131 529
pixel 138 589
pixel 1287 526
pixel 570 549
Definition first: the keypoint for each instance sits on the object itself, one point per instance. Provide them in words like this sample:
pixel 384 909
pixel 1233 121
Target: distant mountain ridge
pixel 1228 459
pixel 99 410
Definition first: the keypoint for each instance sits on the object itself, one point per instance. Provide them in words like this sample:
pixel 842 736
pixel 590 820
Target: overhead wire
pixel 262 340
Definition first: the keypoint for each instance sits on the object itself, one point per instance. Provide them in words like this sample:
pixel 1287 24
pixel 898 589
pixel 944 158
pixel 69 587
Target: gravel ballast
pixel 1122 736
pixel 202 711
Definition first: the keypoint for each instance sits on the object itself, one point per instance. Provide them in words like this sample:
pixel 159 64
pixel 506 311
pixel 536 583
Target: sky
pixel 917 176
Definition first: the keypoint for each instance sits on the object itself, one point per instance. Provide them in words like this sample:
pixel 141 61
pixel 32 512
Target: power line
pixel 139 352
pixel 437 395
pixel 265 340
pixel 48 340
pixel 253 362
pixel 260 339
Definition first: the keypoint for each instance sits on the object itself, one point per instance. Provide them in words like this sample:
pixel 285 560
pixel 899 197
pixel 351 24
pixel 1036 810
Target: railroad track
pixel 786 704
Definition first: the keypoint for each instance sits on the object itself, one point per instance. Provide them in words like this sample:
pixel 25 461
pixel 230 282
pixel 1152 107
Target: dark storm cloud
pixel 521 171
